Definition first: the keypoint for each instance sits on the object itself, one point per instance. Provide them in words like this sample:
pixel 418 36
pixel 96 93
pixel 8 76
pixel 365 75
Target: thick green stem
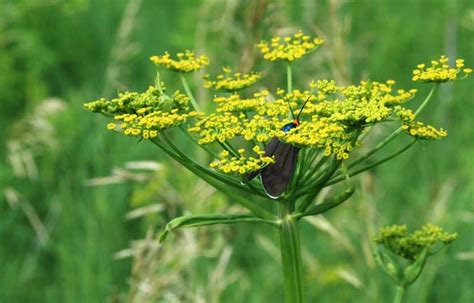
pixel 290 256
pixel 289 78
pixel 399 294
pixel 189 93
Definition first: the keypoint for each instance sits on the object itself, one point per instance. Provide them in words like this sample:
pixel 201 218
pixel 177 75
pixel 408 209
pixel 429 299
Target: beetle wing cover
pixel 277 176
pixel 269 151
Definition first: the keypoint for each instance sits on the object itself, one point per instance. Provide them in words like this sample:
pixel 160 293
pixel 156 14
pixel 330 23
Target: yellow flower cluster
pixel 148 125
pixel 288 48
pixel 367 103
pixel 259 104
pixel 132 102
pixel 440 71
pixel 231 83
pixel 242 164
pixel 293 99
pixel 324 87
pixel 217 127
pixel 223 127
pixel 397 239
pixel 187 62
pixel 417 129
pixel 320 132
pixel 326 120
pixel 426 132
pixel 404 114
pixel 143 114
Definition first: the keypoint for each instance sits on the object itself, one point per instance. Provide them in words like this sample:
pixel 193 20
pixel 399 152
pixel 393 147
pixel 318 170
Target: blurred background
pixel 81 207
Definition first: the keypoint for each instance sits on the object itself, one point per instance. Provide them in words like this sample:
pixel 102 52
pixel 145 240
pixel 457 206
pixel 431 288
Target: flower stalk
pixel 399 294
pixel 290 255
pixel 289 78
pixel 189 93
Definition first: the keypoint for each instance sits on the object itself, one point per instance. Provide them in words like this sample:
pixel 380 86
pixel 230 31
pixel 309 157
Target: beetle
pixel 276 176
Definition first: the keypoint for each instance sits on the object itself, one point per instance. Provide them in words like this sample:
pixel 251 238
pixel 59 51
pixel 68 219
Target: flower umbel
pixel 426 132
pixel 187 62
pixel 231 83
pixel 415 248
pixel 288 48
pixel 440 71
pixel 410 245
pixel 242 164
pixel 144 114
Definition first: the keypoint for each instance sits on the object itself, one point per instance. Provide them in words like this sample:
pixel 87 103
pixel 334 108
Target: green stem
pixel 311 176
pixel 214 181
pixel 395 133
pixel 289 78
pixel 290 256
pixel 317 178
pixel 399 294
pixel 330 203
pixel 207 171
pixel 426 101
pixel 229 148
pixel 314 189
pixel 297 175
pixel 189 93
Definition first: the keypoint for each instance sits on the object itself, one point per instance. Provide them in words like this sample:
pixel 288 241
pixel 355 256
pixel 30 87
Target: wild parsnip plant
pixel 298 141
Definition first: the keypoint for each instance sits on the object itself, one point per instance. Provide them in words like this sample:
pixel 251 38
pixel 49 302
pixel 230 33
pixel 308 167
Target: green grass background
pixel 80 50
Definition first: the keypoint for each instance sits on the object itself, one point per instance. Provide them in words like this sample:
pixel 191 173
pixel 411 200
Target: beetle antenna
pixel 302 107
pixel 291 110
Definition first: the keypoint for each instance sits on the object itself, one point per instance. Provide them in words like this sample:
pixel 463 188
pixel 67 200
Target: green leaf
pixel 388 264
pixel 209 219
pixel 413 271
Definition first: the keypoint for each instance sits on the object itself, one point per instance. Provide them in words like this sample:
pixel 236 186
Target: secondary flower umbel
pixel 289 48
pixel 440 71
pixel 231 83
pixel 187 61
